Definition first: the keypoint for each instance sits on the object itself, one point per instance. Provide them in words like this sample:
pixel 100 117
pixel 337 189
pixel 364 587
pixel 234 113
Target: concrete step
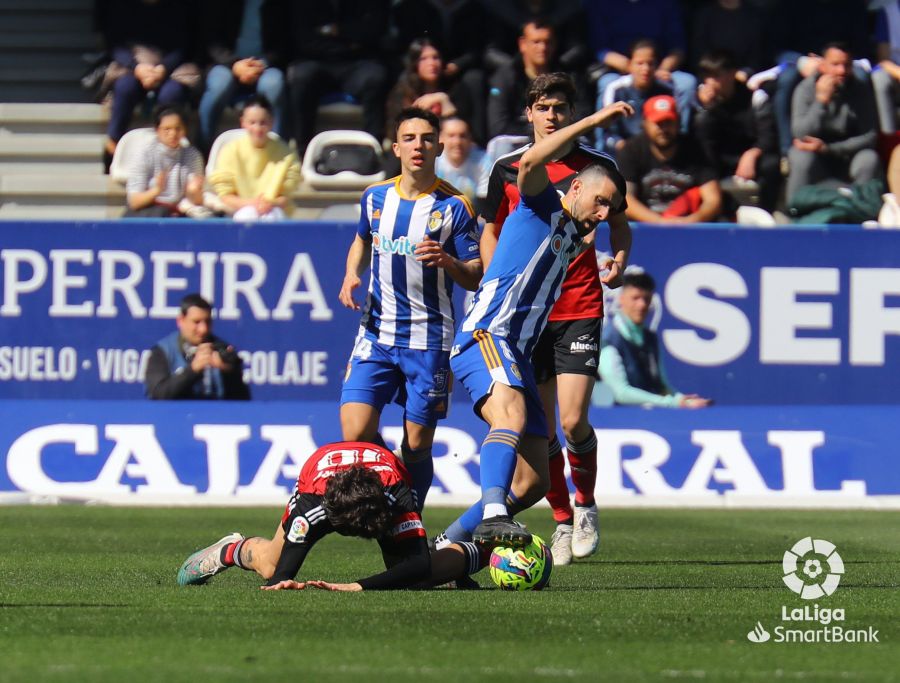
pixel 30 6
pixel 69 72
pixel 52 41
pixel 76 20
pixel 60 189
pixel 44 59
pixel 51 146
pixel 70 118
pixel 43 93
pixel 25 212
pixel 39 154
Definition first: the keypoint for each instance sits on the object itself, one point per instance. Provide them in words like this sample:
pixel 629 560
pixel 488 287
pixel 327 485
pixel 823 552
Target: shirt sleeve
pixel 364 228
pixel 496 197
pixel 140 174
pixel 612 371
pixel 413 565
pixel 194 162
pixel 303 528
pixel 543 204
pixel 224 176
pixel 464 235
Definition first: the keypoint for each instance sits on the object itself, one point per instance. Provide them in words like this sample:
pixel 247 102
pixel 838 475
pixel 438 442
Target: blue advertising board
pixel 228 453
pixel 790 316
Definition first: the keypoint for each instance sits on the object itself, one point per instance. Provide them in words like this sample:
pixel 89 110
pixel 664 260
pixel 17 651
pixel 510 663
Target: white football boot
pixel 586 535
pixel 561 544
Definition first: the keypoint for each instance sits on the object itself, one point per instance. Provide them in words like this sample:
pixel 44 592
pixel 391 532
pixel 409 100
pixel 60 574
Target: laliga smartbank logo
pixel 812 569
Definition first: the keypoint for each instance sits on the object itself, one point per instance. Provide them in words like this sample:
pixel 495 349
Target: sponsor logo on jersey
pixel 385 245
pixel 591 363
pixel 298 531
pixel 582 347
pixel 585 337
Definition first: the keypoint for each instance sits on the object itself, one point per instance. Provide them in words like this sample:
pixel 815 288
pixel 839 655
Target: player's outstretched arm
pixel 532 178
pixel 357 261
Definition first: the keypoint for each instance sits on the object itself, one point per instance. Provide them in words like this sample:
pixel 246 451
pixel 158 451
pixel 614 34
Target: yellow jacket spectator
pixel 254 174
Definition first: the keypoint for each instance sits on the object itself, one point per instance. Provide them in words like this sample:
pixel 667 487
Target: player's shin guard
pixel 498 463
pixel 583 461
pixel 420 465
pixel 558 495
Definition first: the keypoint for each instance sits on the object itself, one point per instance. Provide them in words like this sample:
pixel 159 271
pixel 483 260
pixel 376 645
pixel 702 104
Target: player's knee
pixel 575 427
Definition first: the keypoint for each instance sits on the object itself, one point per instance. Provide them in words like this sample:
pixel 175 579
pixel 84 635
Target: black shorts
pixel 568 347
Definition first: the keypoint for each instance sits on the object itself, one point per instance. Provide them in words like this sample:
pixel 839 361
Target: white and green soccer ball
pixel 522 569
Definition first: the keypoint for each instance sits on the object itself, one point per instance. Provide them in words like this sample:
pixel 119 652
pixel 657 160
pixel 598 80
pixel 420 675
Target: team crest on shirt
pixel 556 244
pixel 299 529
pixel 435 221
pixel 514 369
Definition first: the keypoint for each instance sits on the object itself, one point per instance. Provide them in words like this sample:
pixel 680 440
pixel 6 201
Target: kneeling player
pixel 355 489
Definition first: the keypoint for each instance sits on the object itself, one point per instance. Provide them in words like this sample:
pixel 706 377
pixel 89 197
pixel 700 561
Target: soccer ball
pixel 522 569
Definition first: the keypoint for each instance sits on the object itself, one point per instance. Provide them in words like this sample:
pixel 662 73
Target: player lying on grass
pixel 355 489
pixel 492 351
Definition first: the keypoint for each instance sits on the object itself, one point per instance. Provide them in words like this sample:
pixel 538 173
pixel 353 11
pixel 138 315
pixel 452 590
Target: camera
pixel 228 356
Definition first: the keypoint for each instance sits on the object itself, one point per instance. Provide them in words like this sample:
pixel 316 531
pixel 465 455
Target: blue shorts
pixel 420 381
pixel 479 360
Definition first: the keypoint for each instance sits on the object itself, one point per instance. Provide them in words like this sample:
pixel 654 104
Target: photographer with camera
pixel 192 363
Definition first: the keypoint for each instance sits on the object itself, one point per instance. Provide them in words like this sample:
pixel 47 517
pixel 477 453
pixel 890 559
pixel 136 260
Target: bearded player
pixel 492 350
pixel 566 356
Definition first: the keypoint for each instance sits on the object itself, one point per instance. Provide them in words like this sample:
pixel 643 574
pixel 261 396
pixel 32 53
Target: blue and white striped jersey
pixel 410 305
pixel 525 276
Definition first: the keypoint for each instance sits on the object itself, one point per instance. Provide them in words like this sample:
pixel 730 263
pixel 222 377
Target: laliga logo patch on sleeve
pixel 298 531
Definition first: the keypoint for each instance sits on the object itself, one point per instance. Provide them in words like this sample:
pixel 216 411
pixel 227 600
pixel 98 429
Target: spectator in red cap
pixel 669 179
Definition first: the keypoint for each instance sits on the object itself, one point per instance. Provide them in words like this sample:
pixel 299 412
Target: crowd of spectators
pixel 767 97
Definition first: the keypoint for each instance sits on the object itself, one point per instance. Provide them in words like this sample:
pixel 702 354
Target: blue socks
pixel 420 465
pixel 498 463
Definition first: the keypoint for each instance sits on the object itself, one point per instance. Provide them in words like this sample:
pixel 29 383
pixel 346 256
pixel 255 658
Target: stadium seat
pixel 340 212
pixel 130 147
pixel 329 155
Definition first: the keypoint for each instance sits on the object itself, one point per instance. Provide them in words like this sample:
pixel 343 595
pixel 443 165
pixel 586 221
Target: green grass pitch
pixel 89 594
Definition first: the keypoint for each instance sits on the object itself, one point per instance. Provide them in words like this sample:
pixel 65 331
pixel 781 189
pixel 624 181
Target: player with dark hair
pixel 419 236
pixel 566 355
pixel 354 489
pixel 493 349
pixel 192 363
